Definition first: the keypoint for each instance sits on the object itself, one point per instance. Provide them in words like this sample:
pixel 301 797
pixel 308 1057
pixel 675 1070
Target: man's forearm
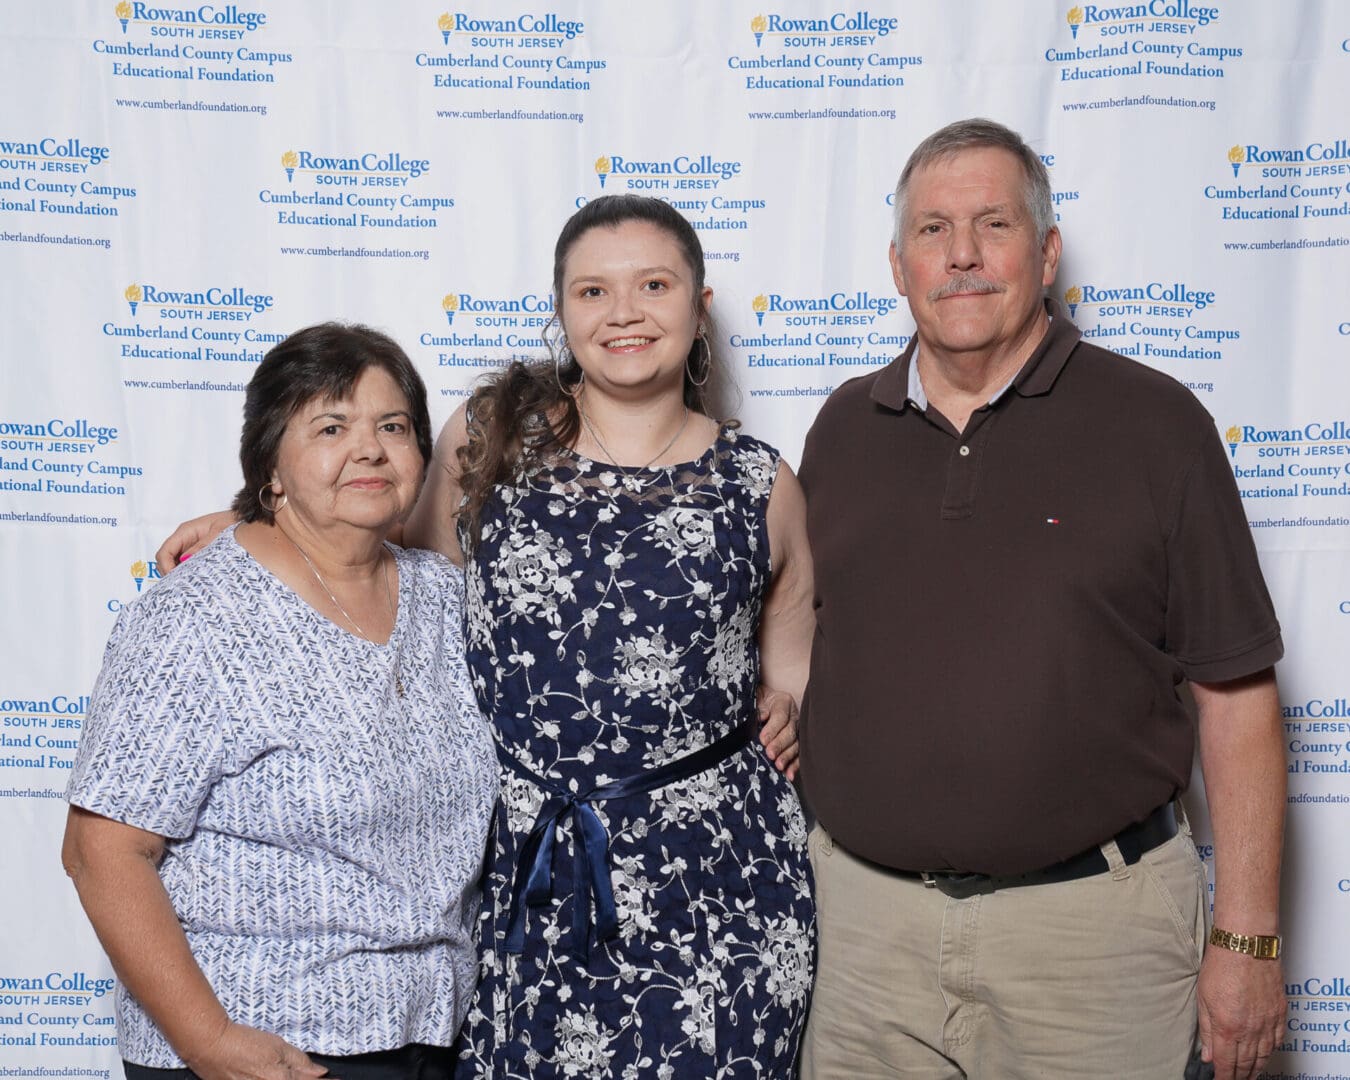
pixel 1242 756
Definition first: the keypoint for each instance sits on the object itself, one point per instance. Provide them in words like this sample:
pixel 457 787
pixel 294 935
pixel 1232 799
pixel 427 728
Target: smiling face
pixel 351 462
pixel 629 308
pixel 969 262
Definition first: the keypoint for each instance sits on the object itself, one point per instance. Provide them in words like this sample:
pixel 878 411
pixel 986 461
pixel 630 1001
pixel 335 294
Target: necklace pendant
pixel 398 683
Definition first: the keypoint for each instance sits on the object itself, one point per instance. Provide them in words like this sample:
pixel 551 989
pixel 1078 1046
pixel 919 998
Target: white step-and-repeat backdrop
pixel 182 184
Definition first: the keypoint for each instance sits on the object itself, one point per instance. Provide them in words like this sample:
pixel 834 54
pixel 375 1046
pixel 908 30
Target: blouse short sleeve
pixel 153 743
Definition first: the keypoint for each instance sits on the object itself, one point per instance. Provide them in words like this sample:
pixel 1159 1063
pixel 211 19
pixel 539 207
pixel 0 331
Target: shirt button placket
pixel 959 498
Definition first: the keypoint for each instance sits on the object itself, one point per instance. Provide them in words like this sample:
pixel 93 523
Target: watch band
pixel 1260 946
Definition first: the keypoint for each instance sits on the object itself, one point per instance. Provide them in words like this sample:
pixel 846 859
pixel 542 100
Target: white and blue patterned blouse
pixel 325 835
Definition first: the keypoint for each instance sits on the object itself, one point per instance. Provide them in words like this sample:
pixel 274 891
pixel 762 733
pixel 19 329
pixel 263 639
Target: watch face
pixel 1267 948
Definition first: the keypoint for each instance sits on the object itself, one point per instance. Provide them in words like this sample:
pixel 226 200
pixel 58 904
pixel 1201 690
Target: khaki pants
pixel 1088 978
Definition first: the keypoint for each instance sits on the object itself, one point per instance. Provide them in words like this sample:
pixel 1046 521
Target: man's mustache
pixel 965 283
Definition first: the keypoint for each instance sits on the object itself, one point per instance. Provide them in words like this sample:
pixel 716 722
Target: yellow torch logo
pixel 759 305
pixel 602 169
pixel 1073 296
pixel 757 27
pixel 1075 20
pixel 450 304
pixel 1236 157
pixel 447 24
pixel 132 295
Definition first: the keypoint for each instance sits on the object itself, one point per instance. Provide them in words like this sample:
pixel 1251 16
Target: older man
pixel 1024 545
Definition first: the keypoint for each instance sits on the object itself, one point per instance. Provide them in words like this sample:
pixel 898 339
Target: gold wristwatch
pixel 1260 946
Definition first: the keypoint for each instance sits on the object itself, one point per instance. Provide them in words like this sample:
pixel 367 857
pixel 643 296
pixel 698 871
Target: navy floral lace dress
pixel 612 620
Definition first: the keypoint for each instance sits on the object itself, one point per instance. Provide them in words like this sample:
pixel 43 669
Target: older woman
pixel 282 793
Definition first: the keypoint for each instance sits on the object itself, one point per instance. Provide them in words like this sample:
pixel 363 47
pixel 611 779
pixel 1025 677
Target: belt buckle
pixel 960 886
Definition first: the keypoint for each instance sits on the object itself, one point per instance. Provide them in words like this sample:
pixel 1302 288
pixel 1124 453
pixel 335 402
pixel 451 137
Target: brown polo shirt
pixel 1004 615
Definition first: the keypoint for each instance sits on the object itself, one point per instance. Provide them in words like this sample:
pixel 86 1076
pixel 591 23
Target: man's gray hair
pixel 974 134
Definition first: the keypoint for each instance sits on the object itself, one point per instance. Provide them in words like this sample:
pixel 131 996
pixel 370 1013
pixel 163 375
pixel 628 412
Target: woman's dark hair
pixel 318 363
pixel 505 409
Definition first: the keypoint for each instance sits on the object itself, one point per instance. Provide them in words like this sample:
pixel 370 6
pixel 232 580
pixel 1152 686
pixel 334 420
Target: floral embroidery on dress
pixel 612 627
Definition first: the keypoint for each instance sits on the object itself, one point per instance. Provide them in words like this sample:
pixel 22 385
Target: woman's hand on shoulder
pixel 431 525
pixel 239 1052
pixel 190 537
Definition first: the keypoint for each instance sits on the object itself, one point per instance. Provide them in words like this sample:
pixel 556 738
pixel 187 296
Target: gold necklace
pixel 655 457
pixel 388 598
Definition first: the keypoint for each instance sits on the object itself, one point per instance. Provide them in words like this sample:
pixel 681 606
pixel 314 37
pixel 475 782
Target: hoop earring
pixel 558 355
pixel 702 339
pixel 266 490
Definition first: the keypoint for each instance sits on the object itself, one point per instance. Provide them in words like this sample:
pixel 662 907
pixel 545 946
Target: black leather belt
pixel 1133 841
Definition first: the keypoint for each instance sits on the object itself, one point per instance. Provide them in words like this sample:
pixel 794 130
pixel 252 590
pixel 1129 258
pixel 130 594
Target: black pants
pixel 413 1062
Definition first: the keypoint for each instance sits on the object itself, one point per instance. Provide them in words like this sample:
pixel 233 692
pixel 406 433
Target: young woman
pixel 635 569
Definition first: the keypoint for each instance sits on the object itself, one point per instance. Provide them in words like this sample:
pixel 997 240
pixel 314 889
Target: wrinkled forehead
pixel 373 386
pixel 993 175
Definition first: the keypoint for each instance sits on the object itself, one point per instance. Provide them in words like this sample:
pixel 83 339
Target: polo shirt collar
pixel 899 385
pixel 1039 373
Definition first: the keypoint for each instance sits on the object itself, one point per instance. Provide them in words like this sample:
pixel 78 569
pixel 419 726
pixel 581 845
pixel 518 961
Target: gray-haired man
pixel 1023 545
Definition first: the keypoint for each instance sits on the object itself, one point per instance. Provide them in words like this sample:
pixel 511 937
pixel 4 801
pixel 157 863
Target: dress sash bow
pixel 533 885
